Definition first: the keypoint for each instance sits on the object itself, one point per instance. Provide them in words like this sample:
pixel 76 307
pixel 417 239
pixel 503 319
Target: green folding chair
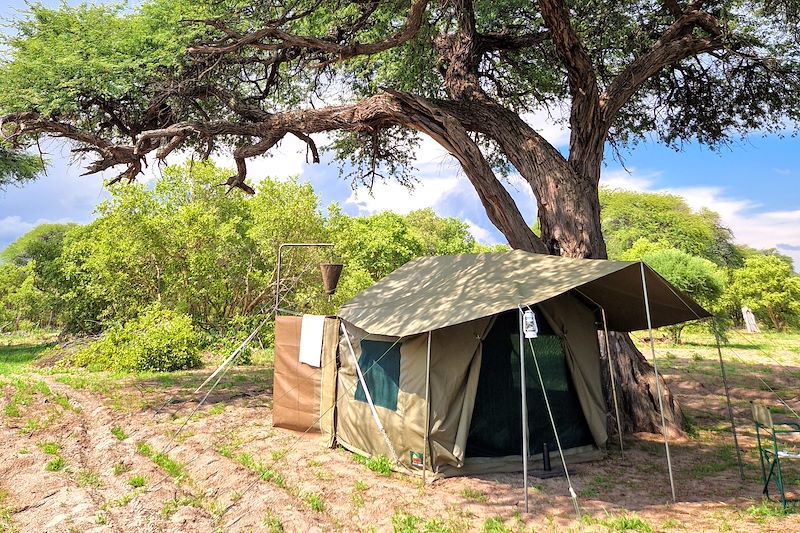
pixel 778 441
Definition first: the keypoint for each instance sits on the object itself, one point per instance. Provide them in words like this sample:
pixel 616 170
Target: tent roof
pixel 434 292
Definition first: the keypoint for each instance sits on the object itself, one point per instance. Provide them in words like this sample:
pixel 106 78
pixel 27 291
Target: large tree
pixel 242 75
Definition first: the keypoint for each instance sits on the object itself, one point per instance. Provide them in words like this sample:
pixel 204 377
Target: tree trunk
pixel 569 214
pixel 636 390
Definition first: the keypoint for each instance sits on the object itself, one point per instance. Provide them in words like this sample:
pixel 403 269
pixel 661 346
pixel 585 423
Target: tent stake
pixel 425 455
pixel 658 383
pixel 524 408
pixel 613 384
pixel 728 400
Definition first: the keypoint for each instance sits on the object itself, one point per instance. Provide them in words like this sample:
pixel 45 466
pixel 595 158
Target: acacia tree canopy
pixel 235 75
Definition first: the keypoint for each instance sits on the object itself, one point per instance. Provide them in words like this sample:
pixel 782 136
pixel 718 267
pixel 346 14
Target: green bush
pixel 158 340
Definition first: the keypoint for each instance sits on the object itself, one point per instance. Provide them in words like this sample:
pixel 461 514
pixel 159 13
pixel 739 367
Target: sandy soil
pixel 231 471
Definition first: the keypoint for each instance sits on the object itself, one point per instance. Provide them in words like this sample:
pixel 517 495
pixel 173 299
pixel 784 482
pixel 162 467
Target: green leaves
pixel 158 340
pixel 769 287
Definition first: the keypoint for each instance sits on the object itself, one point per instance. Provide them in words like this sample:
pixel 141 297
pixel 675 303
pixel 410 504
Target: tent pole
pixel 658 383
pixel 613 384
pixel 425 455
pixel 524 409
pixel 728 399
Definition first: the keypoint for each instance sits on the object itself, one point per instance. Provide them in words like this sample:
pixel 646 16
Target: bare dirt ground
pixel 94 452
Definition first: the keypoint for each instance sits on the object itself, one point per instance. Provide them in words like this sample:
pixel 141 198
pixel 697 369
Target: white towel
pixel 311 340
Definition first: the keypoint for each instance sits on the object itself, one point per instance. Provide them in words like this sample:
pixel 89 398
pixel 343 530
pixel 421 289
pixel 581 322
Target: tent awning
pixel 434 292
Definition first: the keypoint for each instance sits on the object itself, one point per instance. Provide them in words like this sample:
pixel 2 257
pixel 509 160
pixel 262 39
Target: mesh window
pixel 495 430
pixel 380 364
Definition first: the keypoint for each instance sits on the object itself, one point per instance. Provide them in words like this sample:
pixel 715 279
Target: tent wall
pixel 303 396
pixel 455 361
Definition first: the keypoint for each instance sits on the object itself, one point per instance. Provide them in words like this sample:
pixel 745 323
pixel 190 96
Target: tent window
pixel 380 364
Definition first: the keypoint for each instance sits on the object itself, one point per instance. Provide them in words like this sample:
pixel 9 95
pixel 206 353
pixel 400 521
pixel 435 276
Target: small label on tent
pixel 416 459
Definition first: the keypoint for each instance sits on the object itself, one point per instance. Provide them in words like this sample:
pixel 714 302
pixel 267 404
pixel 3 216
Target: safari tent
pixel 424 366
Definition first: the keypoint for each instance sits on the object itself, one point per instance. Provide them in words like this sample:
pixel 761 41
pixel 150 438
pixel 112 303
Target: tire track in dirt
pixel 212 478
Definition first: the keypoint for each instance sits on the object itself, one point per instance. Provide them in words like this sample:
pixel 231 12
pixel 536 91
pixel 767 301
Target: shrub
pixel 158 340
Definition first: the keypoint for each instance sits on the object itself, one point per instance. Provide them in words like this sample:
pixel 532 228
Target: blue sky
pixel 752 184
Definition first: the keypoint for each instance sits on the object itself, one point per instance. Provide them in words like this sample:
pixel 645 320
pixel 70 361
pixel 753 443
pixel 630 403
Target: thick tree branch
pixel 678 42
pixel 585 137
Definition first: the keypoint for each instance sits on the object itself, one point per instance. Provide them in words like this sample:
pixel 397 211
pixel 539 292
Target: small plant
pixel 314 501
pixel 765 509
pixel 495 525
pixel 6 524
pixel 142 448
pixel 277 455
pixel 624 522
pixel 137 481
pixel 169 508
pixel 50 448
pixel 101 518
pixel 360 486
pixel 217 409
pixel 272 523
pixel 119 433
pixel 379 464
pixel 474 495
pixel 55 465
pixel 168 465
pixel 122 501
pixel 89 478
pixel 403 522
pixel 120 468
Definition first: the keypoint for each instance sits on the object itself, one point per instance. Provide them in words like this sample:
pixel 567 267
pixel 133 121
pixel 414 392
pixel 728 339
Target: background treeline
pixel 167 269
pixel 185 254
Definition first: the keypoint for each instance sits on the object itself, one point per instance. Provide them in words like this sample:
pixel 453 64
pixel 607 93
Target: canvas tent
pixel 426 368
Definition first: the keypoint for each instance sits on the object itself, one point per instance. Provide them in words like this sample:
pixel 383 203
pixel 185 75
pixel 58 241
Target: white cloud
pixel 628 180
pixel 552 128
pixel 759 229
pixel 481 234
pixel 13 227
pixel 395 197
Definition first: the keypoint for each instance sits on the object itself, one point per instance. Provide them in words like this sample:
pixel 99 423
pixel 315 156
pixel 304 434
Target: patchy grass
pixel 50 448
pixel 495 525
pixel 137 481
pixel 88 478
pixel 315 502
pixel 6 522
pixel 16 358
pixel 378 464
pixel 120 468
pixel 172 468
pixel 264 472
pixel 622 522
pixel 56 465
pixel 272 523
pixel 474 495
pixel 119 433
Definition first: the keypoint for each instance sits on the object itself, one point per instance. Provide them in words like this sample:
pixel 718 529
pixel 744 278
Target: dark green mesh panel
pixel 496 429
pixel 380 364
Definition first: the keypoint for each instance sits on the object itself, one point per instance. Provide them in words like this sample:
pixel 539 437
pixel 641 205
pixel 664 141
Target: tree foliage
pixel 769 287
pixel 126 84
pixel 17 168
pixel 185 244
pixel 666 221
